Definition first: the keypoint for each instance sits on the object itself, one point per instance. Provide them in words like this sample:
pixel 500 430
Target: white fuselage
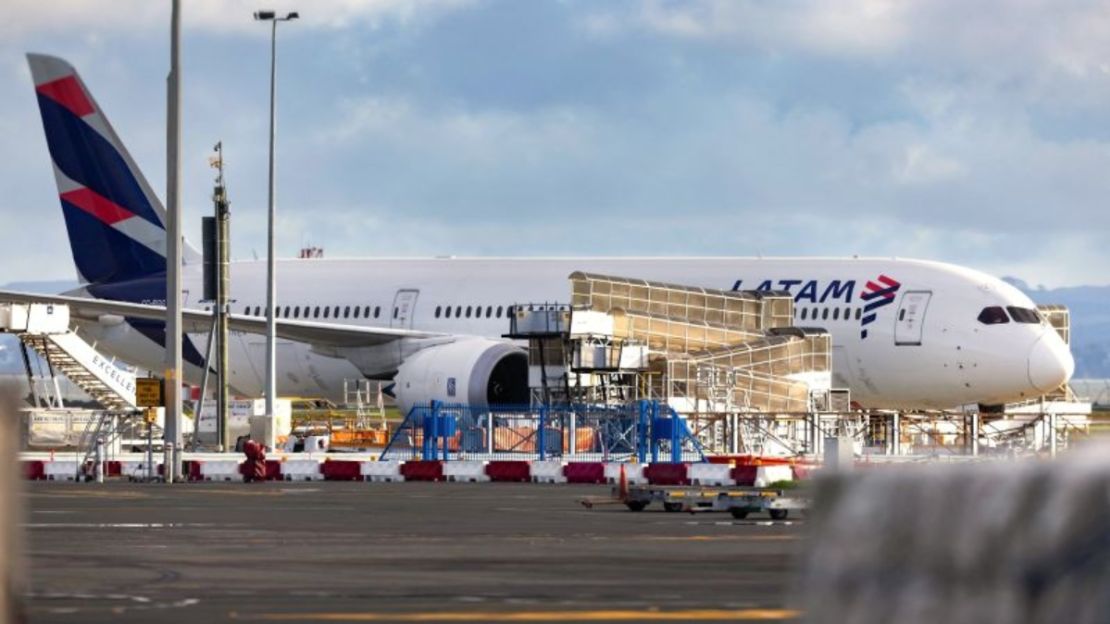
pixel 925 348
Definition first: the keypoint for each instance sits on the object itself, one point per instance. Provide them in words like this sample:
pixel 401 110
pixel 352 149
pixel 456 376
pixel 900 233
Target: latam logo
pixel 876 296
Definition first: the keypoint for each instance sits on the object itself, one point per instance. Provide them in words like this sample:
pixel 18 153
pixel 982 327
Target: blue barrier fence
pixel 582 432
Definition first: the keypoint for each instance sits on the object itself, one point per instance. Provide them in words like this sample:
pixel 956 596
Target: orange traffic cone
pixel 622 487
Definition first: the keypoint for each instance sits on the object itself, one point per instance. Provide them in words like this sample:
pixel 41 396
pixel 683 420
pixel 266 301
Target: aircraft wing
pixel 200 321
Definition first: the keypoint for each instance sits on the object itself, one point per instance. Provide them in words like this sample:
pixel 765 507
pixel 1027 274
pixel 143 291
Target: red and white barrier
pixel 633 473
pixel 381 471
pixel 422 470
pixel 511 471
pixel 341 470
pixel 136 469
pixel 301 470
pixel 60 470
pixel 710 474
pixel 220 470
pixel 584 472
pixel 766 475
pixel 548 471
pixel 33 470
pixel 466 471
pixel 339 467
pixel 666 474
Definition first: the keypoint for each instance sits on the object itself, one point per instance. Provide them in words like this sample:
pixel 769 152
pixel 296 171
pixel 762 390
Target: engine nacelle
pixel 475 371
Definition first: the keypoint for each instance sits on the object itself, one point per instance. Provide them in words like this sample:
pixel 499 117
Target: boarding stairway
pixel 68 354
pixel 45 329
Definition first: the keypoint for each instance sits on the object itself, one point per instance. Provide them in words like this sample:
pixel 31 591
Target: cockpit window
pixel 994 315
pixel 1024 315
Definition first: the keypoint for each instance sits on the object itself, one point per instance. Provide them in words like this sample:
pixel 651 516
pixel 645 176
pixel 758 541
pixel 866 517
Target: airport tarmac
pixel 358 552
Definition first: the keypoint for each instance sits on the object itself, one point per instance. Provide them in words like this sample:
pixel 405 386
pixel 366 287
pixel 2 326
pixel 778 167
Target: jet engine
pixel 477 372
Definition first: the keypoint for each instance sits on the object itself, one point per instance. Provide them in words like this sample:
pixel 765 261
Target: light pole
pixel 271 286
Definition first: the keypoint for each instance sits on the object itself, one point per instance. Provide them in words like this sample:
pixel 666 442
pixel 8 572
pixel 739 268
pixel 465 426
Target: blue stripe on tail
pixel 104 254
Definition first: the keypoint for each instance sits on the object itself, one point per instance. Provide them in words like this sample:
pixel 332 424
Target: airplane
pixel 908 334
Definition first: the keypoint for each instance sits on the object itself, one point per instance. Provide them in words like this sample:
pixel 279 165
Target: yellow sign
pixel 148 392
pixel 151 415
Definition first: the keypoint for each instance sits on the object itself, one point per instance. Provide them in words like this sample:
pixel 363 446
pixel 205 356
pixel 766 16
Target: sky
pixel 974 133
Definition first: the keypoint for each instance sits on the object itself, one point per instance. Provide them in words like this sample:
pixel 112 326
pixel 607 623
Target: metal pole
pixel 223 300
pixel 1052 433
pixel 172 431
pixel 573 444
pixel 489 433
pixel 975 434
pixel 676 439
pixel 271 286
pixel 98 469
pixel 150 444
pixel 198 405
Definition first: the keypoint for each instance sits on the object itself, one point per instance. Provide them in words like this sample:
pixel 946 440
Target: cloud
pixel 24 18
pixel 975 135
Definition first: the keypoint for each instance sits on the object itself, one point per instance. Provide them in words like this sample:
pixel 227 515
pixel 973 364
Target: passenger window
pixel 847 313
pixel 316 312
pixel 257 311
pixel 439 310
pixel 395 310
pixel 366 312
pixel 498 311
pixel 458 311
pixel 901 315
pixel 297 312
pixel 377 311
pixel 836 314
pixel 448 311
pixel 859 312
pixel 825 314
pixel 347 312
pixel 325 312
pixel 993 315
pixel 468 309
pixel 804 313
pixel 1024 315
pixel 489 311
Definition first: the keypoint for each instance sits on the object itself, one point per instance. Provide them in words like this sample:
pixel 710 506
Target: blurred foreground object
pixel 1015 542
pixel 11 510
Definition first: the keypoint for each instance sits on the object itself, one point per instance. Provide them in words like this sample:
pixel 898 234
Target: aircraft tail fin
pixel 116 223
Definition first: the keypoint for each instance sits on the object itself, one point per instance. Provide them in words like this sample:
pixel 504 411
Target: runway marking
pixel 716 538
pixel 127 525
pixel 611 615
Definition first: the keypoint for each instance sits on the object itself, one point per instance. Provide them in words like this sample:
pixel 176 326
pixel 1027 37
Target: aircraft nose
pixel 1050 363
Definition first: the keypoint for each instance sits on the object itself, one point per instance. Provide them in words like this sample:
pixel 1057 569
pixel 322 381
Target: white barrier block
pixel 710 474
pixel 471 471
pixel 220 470
pixel 766 475
pixel 381 470
pixel 548 471
pixel 134 469
pixel 60 470
pixel 301 470
pixel 633 473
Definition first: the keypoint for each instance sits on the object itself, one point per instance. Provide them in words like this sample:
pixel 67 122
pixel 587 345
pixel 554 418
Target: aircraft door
pixel 404 304
pixel 911 317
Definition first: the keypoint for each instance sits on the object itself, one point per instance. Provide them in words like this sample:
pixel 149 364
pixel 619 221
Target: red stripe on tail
pixel 97 205
pixel 67 92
